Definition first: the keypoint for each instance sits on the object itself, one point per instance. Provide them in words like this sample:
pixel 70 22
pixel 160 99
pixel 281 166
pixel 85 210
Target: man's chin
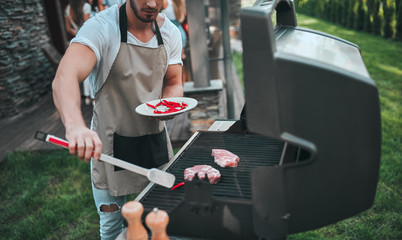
pixel 147 19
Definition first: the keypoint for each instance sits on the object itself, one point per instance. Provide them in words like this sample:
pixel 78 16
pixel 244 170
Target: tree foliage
pixel 368 25
pixel 359 23
pixel 388 9
pixel 380 17
pixel 377 18
pixel 398 34
pixel 351 14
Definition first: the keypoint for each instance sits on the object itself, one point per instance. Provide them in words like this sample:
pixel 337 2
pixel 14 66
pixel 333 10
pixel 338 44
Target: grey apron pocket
pixel 147 151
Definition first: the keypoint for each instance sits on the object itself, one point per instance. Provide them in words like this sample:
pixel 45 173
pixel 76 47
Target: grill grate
pixel 235 183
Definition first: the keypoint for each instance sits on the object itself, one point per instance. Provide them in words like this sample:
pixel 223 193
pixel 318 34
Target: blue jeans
pixel 111 223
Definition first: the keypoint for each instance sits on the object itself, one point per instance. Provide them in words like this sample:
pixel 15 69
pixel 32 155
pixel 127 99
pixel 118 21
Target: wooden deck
pixel 17 133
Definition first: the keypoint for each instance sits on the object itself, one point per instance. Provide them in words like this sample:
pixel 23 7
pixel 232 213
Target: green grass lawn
pixel 47 194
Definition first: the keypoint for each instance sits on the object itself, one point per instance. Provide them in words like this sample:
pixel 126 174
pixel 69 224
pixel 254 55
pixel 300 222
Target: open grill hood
pixel 311 90
pixel 309 140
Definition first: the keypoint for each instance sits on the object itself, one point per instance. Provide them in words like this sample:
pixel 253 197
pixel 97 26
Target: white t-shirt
pixel 102 34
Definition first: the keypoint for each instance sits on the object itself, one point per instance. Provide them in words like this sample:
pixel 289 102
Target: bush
pixel 345 11
pixel 351 13
pixel 359 23
pixel 377 18
pixel 398 34
pixel 388 10
pixel 341 6
pixel 369 13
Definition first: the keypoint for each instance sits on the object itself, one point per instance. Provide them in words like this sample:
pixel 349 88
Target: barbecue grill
pixel 309 139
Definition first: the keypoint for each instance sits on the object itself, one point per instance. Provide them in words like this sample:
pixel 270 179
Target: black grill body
pixel 309 141
pixel 312 90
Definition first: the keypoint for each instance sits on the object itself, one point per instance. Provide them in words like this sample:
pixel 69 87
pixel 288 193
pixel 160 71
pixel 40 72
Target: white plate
pixel 145 110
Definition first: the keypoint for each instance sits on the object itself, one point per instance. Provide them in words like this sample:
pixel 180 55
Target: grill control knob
pixel 132 212
pixel 157 221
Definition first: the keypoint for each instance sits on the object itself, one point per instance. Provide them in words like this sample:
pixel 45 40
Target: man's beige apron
pixel 136 77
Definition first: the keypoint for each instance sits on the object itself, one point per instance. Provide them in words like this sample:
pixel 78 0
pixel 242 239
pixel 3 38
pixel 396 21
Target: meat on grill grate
pixel 201 171
pixel 225 158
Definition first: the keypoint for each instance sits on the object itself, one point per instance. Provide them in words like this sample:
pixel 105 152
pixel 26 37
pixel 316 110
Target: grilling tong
pixel 154 175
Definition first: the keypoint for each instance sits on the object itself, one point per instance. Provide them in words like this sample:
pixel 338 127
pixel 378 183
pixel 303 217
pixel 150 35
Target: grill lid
pixel 310 89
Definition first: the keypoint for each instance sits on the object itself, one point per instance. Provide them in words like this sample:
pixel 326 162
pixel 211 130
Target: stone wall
pixel 25 72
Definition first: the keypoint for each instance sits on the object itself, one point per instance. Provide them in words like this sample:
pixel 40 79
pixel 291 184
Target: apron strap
pixel 123 23
pixel 158 34
pixel 123 26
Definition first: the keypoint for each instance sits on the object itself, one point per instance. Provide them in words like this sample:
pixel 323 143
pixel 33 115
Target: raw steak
pixel 225 158
pixel 202 170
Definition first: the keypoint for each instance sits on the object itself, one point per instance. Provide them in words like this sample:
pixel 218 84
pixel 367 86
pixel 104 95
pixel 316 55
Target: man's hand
pixel 84 143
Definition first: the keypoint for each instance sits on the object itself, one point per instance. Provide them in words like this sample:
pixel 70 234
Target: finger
pixel 88 149
pixel 80 148
pixel 72 147
pixel 97 147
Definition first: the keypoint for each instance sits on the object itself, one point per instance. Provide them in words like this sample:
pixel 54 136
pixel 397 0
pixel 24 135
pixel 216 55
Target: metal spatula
pixel 154 175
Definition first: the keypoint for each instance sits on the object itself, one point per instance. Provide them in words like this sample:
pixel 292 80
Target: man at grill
pixel 132 54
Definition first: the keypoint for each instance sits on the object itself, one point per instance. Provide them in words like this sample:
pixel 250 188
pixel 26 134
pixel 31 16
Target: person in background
pixel 109 3
pixel 96 6
pixel 175 10
pixel 132 55
pixel 76 13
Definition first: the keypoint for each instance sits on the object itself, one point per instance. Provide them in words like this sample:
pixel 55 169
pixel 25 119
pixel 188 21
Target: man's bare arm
pixel 173 86
pixel 74 67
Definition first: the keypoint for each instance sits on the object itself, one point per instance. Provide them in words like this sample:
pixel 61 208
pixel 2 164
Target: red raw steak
pixel 202 170
pixel 225 158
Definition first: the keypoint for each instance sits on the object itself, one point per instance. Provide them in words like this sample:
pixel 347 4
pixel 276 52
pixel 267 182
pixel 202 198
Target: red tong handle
pixel 50 138
pixel 58 141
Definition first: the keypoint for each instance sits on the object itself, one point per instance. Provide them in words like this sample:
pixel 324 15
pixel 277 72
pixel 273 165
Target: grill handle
pixel 285 11
pixel 260 14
